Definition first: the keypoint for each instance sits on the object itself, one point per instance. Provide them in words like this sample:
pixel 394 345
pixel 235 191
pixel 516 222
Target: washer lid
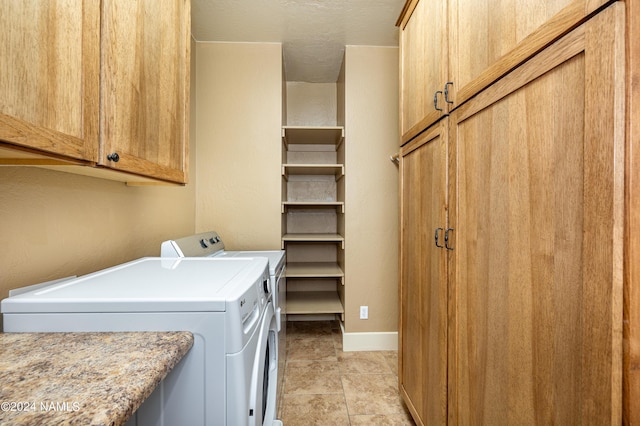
pixel 149 285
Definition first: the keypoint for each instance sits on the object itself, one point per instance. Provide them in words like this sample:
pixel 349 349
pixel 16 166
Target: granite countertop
pixel 83 378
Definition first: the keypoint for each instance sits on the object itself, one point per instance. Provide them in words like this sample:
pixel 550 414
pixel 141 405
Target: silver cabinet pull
pixel 446 238
pixel 436 237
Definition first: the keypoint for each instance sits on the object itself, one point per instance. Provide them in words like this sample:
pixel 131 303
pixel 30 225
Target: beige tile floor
pixel 325 386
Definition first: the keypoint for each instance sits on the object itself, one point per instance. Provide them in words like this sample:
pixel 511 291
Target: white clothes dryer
pixel 210 245
pixel 228 377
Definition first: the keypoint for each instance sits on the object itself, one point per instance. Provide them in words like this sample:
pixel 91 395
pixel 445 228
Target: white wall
pixel 311 104
pixel 371 210
pixel 239 118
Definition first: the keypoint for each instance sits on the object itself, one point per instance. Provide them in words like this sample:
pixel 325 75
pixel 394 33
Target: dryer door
pixel 265 373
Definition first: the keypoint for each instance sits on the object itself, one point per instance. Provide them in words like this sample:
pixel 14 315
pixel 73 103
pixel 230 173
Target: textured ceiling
pixel 313 33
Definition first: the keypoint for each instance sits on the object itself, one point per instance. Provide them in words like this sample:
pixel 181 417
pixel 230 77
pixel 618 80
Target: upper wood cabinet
pixel 50 78
pixel 474 43
pixel 423 65
pixel 487 39
pixel 145 83
pixel 99 83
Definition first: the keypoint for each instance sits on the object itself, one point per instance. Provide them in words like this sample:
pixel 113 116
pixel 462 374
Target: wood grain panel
pixel 145 54
pixel 487 39
pixel 632 231
pixel 536 328
pixel 50 60
pixel 423 285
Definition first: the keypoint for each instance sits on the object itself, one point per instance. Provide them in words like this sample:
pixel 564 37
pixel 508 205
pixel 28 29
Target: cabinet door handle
pixel 435 100
pixel 446 92
pixel 446 238
pixel 113 157
pixel 436 237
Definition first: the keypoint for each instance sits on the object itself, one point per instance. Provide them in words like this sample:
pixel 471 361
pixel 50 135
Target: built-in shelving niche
pixel 313 211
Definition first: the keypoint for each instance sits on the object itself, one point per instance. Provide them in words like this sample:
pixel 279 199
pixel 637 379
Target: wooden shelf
pixel 314 302
pixel 339 205
pixel 312 238
pixel 312 135
pixel 336 170
pixel 314 270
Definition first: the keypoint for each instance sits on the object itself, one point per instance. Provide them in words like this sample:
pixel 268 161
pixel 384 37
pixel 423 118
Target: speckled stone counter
pixel 83 378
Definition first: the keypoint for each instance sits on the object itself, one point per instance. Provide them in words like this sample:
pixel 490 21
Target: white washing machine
pixel 228 377
pixel 210 245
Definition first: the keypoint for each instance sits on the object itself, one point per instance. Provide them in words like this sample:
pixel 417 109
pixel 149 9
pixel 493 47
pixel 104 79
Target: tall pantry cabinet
pixel 512 239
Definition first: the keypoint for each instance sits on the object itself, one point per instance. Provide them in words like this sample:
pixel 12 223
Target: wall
pixel 371 211
pixel 55 224
pixel 239 117
pixel 311 104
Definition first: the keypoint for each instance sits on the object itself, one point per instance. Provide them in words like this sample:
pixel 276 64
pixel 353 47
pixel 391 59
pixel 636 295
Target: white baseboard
pixel 353 342
pixel 371 341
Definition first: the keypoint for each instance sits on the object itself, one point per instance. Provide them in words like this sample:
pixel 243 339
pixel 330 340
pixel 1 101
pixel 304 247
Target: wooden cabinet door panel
pixel 145 78
pixel 536 273
pixel 423 288
pixel 423 65
pixel 487 39
pixel 50 62
pixel 631 330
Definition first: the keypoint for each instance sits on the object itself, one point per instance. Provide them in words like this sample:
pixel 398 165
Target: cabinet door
pixel 50 62
pixel 489 38
pixel 145 77
pixel 423 288
pixel 536 275
pixel 423 65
